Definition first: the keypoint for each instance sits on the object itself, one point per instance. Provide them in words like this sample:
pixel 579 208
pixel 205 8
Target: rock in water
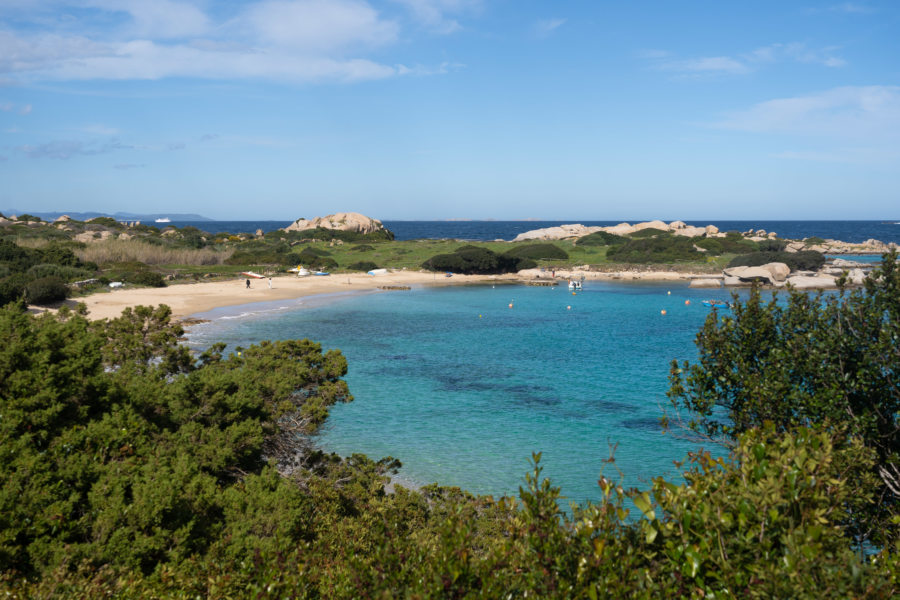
pixel 349 221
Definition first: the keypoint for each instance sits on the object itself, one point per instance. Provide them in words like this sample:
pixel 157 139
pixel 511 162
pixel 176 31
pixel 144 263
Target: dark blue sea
pixel 847 231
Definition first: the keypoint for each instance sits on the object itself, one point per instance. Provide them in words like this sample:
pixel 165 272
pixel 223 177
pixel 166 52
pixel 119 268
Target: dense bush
pixel 364 265
pixel 799 359
pixel 148 278
pixel 312 251
pixel 649 232
pixel 537 252
pixel 600 238
pixel 661 249
pixel 363 248
pixel 717 246
pixel 772 245
pixel 474 260
pixel 46 290
pixel 345 236
pixel 806 260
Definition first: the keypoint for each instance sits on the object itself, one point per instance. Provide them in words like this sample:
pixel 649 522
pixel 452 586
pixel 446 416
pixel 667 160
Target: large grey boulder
pixel 779 271
pixel 705 282
pixel 811 282
pixel 556 233
pixel 347 221
pixel 750 275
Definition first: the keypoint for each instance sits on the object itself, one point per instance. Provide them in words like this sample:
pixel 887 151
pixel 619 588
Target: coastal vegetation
pixel 134 469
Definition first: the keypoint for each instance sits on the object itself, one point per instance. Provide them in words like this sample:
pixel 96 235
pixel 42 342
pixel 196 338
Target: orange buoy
pixel 687 302
pixel 510 305
pixel 569 307
pixel 662 312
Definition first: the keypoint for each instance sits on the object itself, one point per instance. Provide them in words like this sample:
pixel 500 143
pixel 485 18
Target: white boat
pixel 300 270
pixel 574 285
pixel 252 274
pixel 164 220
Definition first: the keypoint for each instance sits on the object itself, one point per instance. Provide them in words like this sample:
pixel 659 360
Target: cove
pixel 462 389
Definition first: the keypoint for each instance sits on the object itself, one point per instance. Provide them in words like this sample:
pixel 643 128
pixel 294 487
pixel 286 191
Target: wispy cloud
pixel 869 112
pixel 281 40
pixel 545 27
pixel 66 149
pixel 23 110
pixel 208 137
pixel 852 8
pixel 440 16
pixel 743 63
pixel 176 146
pixel 128 166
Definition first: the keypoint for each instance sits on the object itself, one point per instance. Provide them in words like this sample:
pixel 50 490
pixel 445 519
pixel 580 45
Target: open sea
pixel 462 388
pixel 847 231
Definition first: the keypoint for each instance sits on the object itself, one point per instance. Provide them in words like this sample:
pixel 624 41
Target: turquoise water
pixel 462 389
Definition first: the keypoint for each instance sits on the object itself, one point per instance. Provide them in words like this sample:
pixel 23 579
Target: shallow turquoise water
pixel 462 389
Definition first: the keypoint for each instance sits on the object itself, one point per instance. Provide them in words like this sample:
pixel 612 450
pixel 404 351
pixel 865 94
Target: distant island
pixel 118 216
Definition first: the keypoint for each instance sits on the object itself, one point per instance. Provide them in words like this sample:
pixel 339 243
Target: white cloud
pixel 158 18
pixel 851 7
pixel 870 112
pixel 25 110
pixel 6 106
pixel 545 27
pixel 66 149
pixel 320 24
pixel 743 63
pixel 440 15
pixel 281 40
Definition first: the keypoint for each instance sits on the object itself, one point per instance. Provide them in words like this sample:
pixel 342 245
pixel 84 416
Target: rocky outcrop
pixel 811 282
pixel 575 231
pixel 705 282
pixel 557 233
pixel 349 221
pixel 93 236
pixel 62 219
pixel 749 275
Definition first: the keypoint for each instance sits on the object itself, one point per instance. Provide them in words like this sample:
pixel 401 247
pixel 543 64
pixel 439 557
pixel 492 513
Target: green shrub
pixel 363 248
pixel 46 290
pixel 772 245
pixel 649 232
pixel 806 260
pixel 734 245
pixel 600 238
pixel 322 263
pixel 148 278
pixel 363 265
pixel 314 252
pixel 813 241
pixel 345 236
pixel 12 288
pixel 537 252
pixel 661 249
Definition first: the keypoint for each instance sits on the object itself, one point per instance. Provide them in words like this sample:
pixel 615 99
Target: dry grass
pixel 32 242
pixel 114 251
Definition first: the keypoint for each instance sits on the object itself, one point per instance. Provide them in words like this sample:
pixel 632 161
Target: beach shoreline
pixel 188 300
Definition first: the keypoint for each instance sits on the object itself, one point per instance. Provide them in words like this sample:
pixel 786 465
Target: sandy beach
pixel 188 299
pixel 191 298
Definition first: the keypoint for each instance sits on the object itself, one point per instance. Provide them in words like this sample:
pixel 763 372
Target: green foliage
pixel 600 238
pixel 660 249
pixel 813 240
pixel 717 246
pixel 335 234
pixel 363 265
pixel 26 218
pixel 801 359
pixel 472 260
pixel 772 245
pixel 121 449
pixel 363 248
pixel 105 221
pixel 806 260
pixel 649 232
pixel 46 290
pixel 537 252
pixel 148 278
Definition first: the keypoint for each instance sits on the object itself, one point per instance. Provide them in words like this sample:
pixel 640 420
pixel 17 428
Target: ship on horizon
pixel 163 220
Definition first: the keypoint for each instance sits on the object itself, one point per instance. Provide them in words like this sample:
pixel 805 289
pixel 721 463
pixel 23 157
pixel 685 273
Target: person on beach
pixel 248 284
pixel 270 283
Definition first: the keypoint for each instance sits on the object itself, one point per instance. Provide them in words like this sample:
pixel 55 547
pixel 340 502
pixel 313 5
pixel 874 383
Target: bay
pixel 462 388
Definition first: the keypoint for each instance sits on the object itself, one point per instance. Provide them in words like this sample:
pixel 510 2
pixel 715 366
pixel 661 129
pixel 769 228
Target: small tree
pixel 803 359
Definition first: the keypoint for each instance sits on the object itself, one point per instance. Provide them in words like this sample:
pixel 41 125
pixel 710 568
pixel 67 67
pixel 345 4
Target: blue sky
pixel 435 109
